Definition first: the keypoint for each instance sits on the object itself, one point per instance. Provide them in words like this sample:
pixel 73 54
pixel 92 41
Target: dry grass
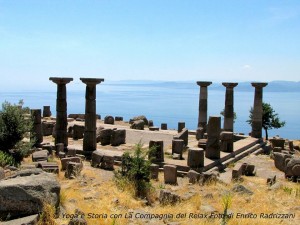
pixel 104 195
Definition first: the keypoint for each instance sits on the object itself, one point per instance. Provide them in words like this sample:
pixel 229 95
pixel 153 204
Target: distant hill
pixel 273 86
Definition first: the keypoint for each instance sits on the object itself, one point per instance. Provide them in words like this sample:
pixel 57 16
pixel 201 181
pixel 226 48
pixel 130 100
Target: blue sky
pixel 224 40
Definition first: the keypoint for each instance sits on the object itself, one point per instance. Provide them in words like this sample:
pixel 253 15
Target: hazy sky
pixel 224 40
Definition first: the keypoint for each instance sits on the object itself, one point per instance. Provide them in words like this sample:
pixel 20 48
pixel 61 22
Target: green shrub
pixel 13 128
pixel 135 172
pixel 6 159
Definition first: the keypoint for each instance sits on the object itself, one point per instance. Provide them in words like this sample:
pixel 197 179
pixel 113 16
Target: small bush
pixel 135 172
pixel 47 217
pixel 6 159
pixel 14 126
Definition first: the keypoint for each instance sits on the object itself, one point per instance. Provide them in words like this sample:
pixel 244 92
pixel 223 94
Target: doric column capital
pixel 229 85
pixel 204 83
pixel 259 84
pixel 92 81
pixel 61 80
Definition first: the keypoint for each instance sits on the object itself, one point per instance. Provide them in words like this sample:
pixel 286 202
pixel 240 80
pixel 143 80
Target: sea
pixel 166 102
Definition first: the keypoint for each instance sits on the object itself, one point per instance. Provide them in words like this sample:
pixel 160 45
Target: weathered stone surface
pixel 199 133
pixel 46 111
pixel 61 155
pixel 40 156
pixel 71 152
pixel 78 221
pixel 164 126
pixel 249 170
pixel 257 110
pixel 229 109
pixel 118 137
pixel 118 118
pixel 277 142
pixel 138 125
pixel 202 143
pixel 293 168
pixel 154 169
pixel 50 167
pixel 102 159
pixel 47 128
pixel 48 147
pixel 26 172
pixel 291 146
pixel 78 131
pixel 226 138
pixel 208 177
pixel 202 115
pixel 150 123
pixel 139 118
pixel 105 136
pixel 183 135
pixel 241 189
pixel 237 171
pixel 168 198
pixel 23 196
pixel 98 131
pixel 27 220
pixel 2 173
pixel 170 174
pixel 59 147
pixel 277 149
pixel 154 128
pixel 177 147
pixel 195 158
pixel 37 131
pixel 73 170
pixel 65 161
pixel 279 160
pixel 70 131
pixel 156 153
pixel 213 136
pixel 193 176
pixel 109 120
pixel 77 116
pixel 181 125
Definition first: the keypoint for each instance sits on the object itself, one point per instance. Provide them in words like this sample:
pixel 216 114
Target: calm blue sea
pixel 167 102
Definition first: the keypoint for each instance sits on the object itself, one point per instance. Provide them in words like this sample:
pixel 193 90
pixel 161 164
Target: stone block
pixel 271 180
pixel 118 118
pixel 277 142
pixel 208 177
pixel 59 147
pixel 65 161
pixel 156 153
pixel 28 195
pixel 118 137
pixel 49 148
pixel 279 160
pixel 181 125
pixel 50 167
pixel 102 159
pixel 213 138
pixel 105 136
pixel 78 131
pixel 73 170
pixel 47 128
pixel 154 128
pixel 193 176
pixel 150 123
pixel 40 156
pixel 46 111
pixel 226 138
pixel 170 174
pixel 177 147
pixel 109 120
pixel 154 169
pixel 293 168
pixel 202 143
pixel 199 133
pixel 183 135
pixel 138 125
pixel 164 126
pixel 195 158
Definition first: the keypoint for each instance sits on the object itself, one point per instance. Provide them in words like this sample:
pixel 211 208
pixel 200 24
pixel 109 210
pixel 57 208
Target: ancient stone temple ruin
pixel 89 140
pixel 61 110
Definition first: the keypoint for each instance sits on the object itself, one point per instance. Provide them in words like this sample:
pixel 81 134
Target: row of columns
pixel 229 107
pixel 89 140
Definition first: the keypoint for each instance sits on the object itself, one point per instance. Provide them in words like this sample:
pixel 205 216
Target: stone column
pixel 61 110
pixel 257 110
pixel 229 109
pixel 212 150
pixel 89 139
pixel 202 116
pixel 37 132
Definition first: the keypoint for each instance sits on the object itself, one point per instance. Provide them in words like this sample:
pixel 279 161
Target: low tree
pixel 223 114
pixel 270 118
pixel 13 128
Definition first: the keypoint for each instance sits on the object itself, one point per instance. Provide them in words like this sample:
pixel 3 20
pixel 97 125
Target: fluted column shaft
pixel 257 110
pixel 229 108
pixel 89 139
pixel 61 110
pixel 202 115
